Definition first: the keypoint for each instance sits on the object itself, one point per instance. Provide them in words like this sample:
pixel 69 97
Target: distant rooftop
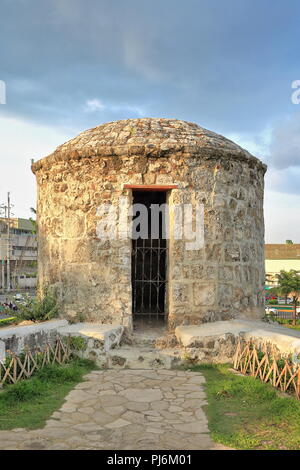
pixel 21 224
pixel 282 251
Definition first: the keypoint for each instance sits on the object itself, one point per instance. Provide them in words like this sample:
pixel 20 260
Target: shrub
pixel 39 309
pixel 76 343
pixel 270 318
pixel 59 373
pixel 23 391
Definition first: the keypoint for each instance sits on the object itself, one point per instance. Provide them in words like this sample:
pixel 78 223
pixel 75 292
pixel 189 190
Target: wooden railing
pixel 19 367
pixel 269 366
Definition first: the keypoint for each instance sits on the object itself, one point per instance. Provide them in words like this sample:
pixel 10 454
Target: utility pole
pixel 3 208
pixel 7 214
pixel 3 274
pixel 8 243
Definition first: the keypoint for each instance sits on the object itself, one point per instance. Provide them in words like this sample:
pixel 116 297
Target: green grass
pixel 288 323
pixel 7 321
pixel 29 403
pixel 293 327
pixel 245 413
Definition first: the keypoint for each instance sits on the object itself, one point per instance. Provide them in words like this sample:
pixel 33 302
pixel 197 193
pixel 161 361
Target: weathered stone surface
pixel 147 426
pixel 98 337
pixel 92 276
pixel 138 395
pixel 119 423
pixel 217 342
pixel 15 338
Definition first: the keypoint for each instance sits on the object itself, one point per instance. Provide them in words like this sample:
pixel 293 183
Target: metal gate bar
pixel 149 276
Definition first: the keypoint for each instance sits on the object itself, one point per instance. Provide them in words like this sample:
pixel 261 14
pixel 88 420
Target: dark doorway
pixel 149 259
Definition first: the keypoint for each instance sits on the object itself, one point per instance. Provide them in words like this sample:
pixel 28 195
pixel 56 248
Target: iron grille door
pixel 149 276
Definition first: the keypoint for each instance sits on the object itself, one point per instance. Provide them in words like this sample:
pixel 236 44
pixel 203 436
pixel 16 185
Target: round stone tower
pixel 211 190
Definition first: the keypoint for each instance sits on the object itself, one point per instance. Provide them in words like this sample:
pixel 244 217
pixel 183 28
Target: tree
pixel 33 210
pixel 289 284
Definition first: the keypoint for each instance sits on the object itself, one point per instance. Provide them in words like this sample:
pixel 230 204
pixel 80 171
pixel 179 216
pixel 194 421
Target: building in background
pixel 22 246
pixel 280 257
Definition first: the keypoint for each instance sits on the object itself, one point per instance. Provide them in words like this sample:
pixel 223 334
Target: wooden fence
pixel 268 366
pixel 20 367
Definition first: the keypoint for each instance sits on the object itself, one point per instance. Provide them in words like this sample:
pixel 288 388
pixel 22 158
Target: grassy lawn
pixel 293 327
pixel 245 413
pixel 29 403
pixel 288 324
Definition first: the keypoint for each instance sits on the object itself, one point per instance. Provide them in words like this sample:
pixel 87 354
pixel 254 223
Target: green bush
pixel 76 343
pixel 23 391
pixel 39 309
pixel 60 374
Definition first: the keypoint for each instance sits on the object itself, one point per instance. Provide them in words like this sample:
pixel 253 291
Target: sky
pixel 68 65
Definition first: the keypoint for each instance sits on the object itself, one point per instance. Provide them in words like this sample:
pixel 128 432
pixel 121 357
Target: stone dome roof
pixel 152 137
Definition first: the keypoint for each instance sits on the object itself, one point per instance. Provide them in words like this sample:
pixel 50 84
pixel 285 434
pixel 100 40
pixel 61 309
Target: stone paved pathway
pixel 125 409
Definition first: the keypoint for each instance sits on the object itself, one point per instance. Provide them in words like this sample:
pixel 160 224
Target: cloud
pixel 285 143
pixel 257 144
pixel 20 142
pixel 141 56
pixel 284 180
pixel 198 61
pixel 94 105
pixel 281 217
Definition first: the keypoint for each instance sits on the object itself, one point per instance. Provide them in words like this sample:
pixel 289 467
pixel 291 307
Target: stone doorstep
pixel 136 357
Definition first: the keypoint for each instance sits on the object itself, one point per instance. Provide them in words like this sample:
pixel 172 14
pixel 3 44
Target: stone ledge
pixel 109 336
pixel 15 338
pixel 9 331
pixel 212 336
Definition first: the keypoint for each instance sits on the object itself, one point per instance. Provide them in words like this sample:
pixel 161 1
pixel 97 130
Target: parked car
pixel 270 311
pixel 19 298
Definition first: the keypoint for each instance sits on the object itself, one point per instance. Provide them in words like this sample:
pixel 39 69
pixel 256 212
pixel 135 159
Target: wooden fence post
pixel 298 383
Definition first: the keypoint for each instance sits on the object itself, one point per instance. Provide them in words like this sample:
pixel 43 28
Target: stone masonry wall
pixel 92 277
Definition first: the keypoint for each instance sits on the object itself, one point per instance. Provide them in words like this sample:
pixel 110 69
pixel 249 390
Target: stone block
pixel 204 294
pixel 107 335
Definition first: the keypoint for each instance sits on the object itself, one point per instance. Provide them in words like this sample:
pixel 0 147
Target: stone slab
pixel 25 330
pixel 287 340
pixel 109 335
pixel 15 338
